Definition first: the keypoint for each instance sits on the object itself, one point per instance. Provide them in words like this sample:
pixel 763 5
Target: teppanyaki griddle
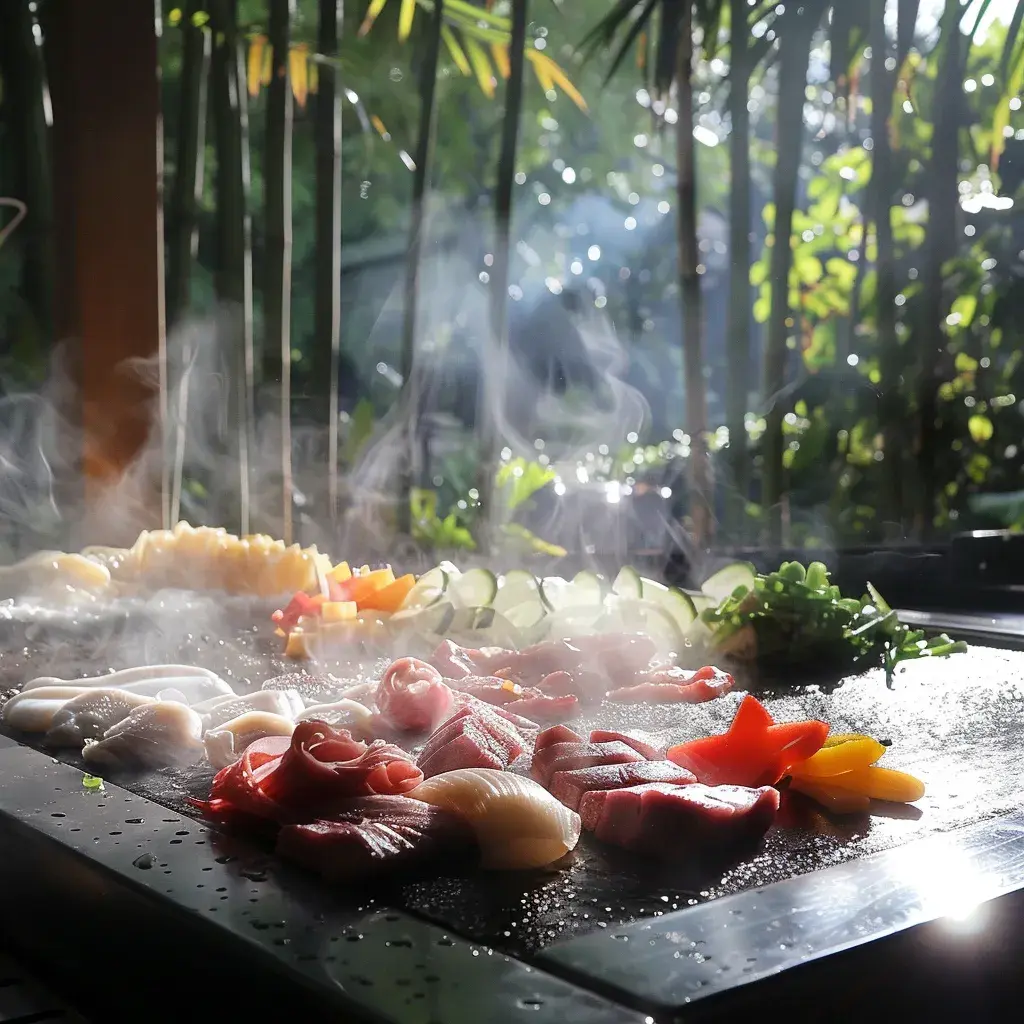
pixel 955 722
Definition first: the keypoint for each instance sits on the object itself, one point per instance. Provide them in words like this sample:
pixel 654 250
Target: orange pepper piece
pixel 840 754
pixel 390 597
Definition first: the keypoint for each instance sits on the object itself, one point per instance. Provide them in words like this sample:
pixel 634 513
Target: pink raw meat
pixel 374 836
pixel 564 757
pixel 556 734
pixel 642 746
pixel 528 701
pixel 570 787
pixel 470 747
pixel 413 697
pixel 671 820
pixel 675 685
pixel 455 662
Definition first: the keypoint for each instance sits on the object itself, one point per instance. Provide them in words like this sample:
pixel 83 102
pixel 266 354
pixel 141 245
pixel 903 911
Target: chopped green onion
pixel 92 782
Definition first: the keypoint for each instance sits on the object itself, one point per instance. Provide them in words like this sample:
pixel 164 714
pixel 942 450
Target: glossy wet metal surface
pixel 955 722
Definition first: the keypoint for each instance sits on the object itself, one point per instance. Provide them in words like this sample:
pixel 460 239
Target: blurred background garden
pixel 525 255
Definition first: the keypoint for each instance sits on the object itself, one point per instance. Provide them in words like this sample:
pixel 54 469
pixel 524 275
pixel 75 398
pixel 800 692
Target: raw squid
pixel 180 683
pixel 218 710
pixel 89 715
pixel 226 743
pixel 34 711
pixel 341 714
pixel 156 735
pixel 518 824
pixel 413 697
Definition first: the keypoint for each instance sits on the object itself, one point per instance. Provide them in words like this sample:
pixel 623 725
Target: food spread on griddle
pixel 459 747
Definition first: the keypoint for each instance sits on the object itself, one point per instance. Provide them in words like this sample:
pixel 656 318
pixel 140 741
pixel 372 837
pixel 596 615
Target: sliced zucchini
pixel 434 618
pixel 728 579
pixel 591 580
pixel 483 627
pixel 628 583
pixel 676 602
pixel 634 615
pixel 427 590
pixel 580 592
pixel 517 587
pixel 474 589
pixel 528 613
pixel 701 601
pixel 581 620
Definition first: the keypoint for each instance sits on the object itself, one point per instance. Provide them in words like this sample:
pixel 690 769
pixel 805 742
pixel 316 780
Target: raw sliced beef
pixel 413 697
pixel 528 701
pixel 666 819
pixel 556 734
pixel 570 787
pixel 374 836
pixel 564 757
pixel 641 744
pixel 674 686
pixel 476 736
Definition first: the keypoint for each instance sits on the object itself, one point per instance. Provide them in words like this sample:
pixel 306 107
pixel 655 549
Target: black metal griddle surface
pixel 955 722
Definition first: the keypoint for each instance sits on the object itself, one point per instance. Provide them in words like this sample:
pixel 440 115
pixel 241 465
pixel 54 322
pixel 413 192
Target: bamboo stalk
pixel 21 63
pixel 277 281
pixel 939 246
pixel 738 319
pixel 794 53
pixel 421 180
pixel 187 189
pixel 494 380
pixel 327 309
pixel 234 277
pixel 690 290
pixel 883 82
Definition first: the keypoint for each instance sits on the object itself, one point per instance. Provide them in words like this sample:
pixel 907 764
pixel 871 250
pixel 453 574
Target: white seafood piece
pixel 132 675
pixel 34 711
pixel 226 744
pixel 518 823
pixel 178 683
pixel 342 714
pixel 89 715
pixel 157 735
pixel 214 713
pixel 365 693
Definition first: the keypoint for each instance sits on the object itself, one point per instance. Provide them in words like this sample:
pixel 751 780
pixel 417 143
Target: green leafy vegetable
pixel 798 613
pixel 92 782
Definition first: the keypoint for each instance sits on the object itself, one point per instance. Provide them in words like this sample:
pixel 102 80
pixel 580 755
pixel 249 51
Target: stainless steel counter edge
pixel 668 962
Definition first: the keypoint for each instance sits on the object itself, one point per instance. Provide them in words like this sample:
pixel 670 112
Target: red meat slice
pixel 570 787
pixel 643 746
pixel 470 747
pixel 373 836
pixel 675 685
pixel 528 701
pixel 556 734
pixel 660 818
pixel 455 662
pixel 284 778
pixel 413 697
pixel 564 757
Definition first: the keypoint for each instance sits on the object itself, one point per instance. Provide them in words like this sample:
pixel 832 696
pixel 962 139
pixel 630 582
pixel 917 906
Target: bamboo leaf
pixel 405 16
pixel 372 12
pixel 477 14
pixel 1001 121
pixel 553 75
pixel 298 71
pixel 458 55
pixel 499 55
pixel 313 73
pixel 1012 39
pixel 267 70
pixel 254 65
pixel 481 67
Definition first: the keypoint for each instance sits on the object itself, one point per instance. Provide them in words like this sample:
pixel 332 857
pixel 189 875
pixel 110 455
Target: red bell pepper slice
pixel 754 752
pixel 301 604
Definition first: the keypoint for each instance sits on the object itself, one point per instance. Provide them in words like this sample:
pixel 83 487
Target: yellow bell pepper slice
pixel 838 801
pixel 839 755
pixel 340 573
pixel 338 611
pixel 879 784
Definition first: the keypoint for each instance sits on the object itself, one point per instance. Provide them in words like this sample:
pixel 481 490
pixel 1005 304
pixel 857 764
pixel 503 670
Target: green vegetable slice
pixel 628 583
pixel 728 579
pixel 474 589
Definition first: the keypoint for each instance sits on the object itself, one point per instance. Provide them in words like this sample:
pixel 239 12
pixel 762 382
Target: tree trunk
pixel 738 322
pixel 187 191
pixel 891 410
pixel 417 223
pixel 939 246
pixel 277 257
pixel 21 63
pixel 494 379
pixel 327 283
pixel 234 240
pixel 701 497
pixel 906 23
pixel 794 52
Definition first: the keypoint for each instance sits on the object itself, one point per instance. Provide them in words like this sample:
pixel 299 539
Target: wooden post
pixel 104 81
